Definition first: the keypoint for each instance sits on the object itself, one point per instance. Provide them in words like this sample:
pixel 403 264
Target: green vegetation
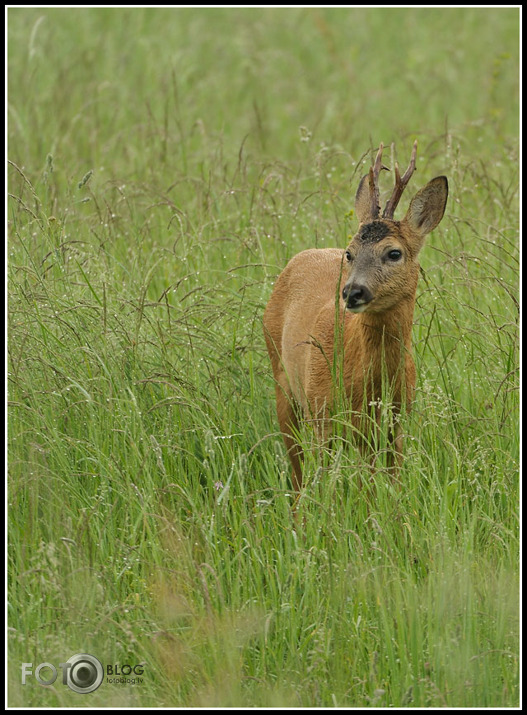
pixel 164 166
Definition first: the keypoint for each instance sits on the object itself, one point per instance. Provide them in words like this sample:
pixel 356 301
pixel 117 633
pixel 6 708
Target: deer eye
pixel 349 257
pixel 394 254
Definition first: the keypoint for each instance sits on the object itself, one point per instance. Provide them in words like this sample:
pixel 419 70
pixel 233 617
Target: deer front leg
pixel 395 451
pixel 288 422
pixel 369 439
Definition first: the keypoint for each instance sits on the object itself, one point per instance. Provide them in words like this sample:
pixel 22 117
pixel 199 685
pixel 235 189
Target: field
pixel 164 165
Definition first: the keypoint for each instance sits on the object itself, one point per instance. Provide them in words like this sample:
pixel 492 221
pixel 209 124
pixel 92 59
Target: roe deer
pixel 352 308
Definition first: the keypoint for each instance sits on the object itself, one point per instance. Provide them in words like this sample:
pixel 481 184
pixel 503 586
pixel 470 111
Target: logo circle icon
pixel 85 674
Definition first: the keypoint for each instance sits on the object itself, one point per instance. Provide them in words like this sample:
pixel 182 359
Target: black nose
pixel 354 297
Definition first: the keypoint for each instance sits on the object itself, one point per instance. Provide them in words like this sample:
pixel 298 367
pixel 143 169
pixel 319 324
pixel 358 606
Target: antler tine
pixel 375 170
pixel 400 184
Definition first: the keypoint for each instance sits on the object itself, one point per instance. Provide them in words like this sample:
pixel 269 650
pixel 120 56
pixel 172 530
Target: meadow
pixel 164 165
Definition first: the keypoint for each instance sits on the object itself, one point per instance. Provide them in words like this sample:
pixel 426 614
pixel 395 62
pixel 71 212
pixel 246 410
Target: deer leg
pixel 395 452
pixel 288 422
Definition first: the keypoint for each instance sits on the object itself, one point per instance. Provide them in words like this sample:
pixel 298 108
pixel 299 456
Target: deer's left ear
pixel 428 206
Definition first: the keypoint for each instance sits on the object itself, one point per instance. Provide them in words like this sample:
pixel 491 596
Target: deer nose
pixel 356 297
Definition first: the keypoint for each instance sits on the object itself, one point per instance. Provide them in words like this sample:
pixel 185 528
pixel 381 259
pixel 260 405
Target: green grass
pixel 165 165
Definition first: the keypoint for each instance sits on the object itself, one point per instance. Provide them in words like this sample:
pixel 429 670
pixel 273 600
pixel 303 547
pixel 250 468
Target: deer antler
pixel 400 184
pixel 375 170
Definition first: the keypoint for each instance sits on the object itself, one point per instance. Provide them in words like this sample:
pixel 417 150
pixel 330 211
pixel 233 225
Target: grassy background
pixel 164 166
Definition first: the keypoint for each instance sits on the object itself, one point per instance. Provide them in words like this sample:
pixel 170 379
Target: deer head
pixel 382 256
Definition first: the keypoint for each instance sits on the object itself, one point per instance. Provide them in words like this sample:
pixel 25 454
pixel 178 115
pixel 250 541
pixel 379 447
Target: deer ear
pixel 363 199
pixel 428 206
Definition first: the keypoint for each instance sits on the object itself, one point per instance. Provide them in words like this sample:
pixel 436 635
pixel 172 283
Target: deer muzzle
pixel 356 297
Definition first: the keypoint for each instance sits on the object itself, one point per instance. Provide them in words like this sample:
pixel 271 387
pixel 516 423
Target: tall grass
pixel 164 166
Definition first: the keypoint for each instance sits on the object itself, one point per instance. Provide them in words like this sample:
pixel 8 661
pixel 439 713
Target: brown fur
pixel 300 321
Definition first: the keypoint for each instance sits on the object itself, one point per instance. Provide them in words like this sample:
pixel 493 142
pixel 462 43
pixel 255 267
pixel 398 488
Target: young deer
pixel 352 309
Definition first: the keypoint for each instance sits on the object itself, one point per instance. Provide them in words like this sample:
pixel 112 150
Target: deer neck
pixel 380 344
pixel 388 331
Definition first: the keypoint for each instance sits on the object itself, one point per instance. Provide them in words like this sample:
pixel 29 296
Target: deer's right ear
pixel 363 199
pixel 428 206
